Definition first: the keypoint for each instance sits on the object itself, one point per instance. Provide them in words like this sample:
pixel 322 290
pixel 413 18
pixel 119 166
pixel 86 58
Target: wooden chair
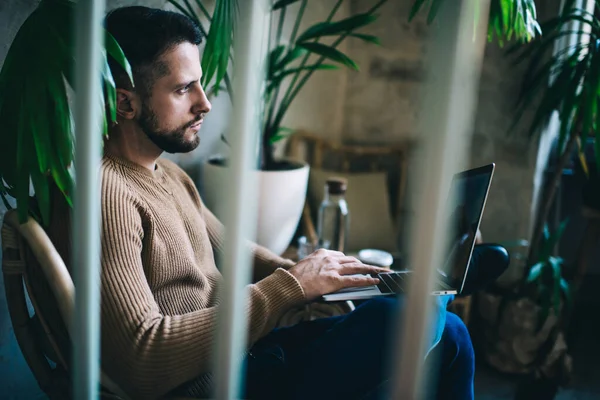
pixel 336 156
pixel 33 269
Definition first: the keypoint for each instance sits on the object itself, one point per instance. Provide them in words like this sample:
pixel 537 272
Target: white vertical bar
pixel 86 222
pixel 456 50
pixel 240 196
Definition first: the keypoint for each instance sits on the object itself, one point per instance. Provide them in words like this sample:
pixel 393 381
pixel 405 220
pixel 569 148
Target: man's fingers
pixel 360 268
pixel 329 253
pixel 348 260
pixel 358 280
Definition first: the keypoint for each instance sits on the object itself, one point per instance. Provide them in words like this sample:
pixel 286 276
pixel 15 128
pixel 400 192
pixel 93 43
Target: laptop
pixel 466 202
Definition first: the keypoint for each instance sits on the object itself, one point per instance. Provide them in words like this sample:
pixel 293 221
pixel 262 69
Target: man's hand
pixel 326 271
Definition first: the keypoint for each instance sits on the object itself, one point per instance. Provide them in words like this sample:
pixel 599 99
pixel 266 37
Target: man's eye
pixel 184 90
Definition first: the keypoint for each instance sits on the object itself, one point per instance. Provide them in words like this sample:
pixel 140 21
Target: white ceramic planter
pixel 281 196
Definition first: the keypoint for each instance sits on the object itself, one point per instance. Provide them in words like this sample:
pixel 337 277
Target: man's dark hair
pixel 145 34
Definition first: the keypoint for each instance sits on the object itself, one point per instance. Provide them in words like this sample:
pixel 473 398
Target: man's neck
pixel 134 146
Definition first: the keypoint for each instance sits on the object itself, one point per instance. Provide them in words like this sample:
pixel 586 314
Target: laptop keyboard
pixel 391 282
pixel 395 282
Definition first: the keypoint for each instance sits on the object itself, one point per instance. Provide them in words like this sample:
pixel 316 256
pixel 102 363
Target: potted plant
pixel 36 142
pixel 521 316
pixel 507 20
pixel 521 320
pixel 282 182
pixel 566 83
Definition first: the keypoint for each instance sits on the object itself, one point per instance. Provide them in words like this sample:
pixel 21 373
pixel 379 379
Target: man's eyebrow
pixel 186 83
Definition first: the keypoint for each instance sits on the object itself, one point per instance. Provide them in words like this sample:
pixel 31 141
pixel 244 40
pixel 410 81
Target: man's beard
pixel 172 141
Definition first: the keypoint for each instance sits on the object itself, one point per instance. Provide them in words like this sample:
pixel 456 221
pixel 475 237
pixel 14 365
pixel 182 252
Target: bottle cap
pixel 336 186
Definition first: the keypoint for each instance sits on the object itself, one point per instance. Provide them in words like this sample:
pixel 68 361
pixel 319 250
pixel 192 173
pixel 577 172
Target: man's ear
pixel 128 105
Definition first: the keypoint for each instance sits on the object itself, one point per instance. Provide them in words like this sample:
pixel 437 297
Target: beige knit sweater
pixel 159 279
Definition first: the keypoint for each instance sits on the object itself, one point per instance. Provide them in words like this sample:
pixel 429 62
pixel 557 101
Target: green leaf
pixel 290 56
pixel 114 50
pixel 367 38
pixel 283 3
pixel 110 91
pixel 435 7
pixel 546 233
pixel 535 272
pixel 555 238
pixel 274 58
pixel 556 267
pixel 312 67
pixel 415 9
pixel 337 28
pixel 275 81
pixel 330 53
pixel 203 10
pixel 215 58
pixel 566 290
pixel 282 133
pixel 62 137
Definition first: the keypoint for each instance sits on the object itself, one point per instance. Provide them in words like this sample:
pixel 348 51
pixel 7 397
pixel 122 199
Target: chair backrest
pixel 335 157
pixel 33 269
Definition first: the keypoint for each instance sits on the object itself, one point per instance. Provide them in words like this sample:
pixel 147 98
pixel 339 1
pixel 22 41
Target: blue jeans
pixel 347 357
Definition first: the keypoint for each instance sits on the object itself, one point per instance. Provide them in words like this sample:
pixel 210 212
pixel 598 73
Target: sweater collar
pixel 136 168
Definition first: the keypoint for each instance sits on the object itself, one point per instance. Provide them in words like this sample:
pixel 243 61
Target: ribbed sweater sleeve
pixel 145 351
pixel 265 261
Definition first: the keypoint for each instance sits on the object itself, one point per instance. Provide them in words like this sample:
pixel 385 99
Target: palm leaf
pixel 275 81
pixel 215 59
pixel 282 133
pixel 508 19
pixel 367 38
pixel 566 291
pixel 415 9
pixel 535 272
pixel 274 58
pixel 336 28
pixel 556 283
pixel 116 53
pixel 290 56
pixel 110 93
pixel 435 7
pixel 330 53
pixel 37 139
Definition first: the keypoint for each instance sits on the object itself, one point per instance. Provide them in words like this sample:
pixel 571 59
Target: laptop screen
pixel 466 201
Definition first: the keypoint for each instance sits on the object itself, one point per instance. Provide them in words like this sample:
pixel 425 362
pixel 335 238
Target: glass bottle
pixel 334 217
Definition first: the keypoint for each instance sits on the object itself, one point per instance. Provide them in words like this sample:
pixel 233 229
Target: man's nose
pixel 202 104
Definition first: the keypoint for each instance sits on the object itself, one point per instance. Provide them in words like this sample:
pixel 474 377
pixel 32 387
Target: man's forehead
pixel 182 61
